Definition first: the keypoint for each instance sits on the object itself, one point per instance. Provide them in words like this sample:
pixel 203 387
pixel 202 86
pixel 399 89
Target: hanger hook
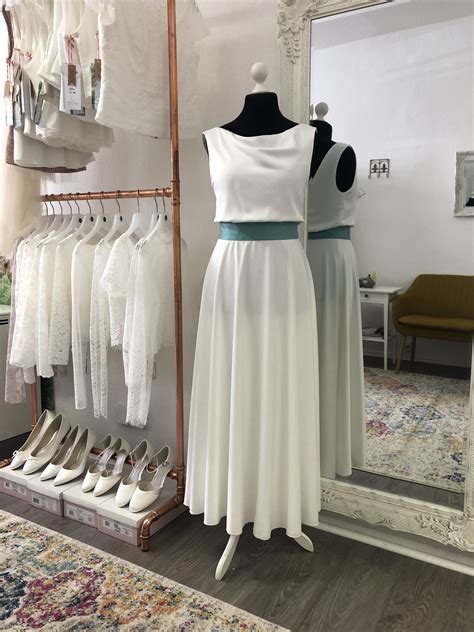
pixel 61 207
pixel 164 207
pixel 70 207
pixel 156 202
pixel 89 205
pixel 52 207
pixel 138 199
pixel 77 205
pixel 101 203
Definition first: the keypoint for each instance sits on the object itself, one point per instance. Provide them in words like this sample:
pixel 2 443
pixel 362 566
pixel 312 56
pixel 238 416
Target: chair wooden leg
pixel 401 351
pixel 413 349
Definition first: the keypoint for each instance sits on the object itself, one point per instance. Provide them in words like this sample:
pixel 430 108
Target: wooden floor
pixel 344 586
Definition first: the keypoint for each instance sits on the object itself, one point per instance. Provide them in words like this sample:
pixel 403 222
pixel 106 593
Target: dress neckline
pixel 260 135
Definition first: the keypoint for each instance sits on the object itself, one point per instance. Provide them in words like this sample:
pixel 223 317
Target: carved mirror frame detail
pixel 399 513
pixel 459 209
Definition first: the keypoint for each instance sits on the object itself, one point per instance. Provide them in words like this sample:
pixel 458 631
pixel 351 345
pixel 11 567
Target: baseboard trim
pixel 398 542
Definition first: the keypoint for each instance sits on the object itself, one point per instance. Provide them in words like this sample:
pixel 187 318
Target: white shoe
pixel 139 456
pixel 47 446
pixel 20 455
pixel 61 455
pixel 100 466
pixel 109 478
pixel 148 491
pixel 77 460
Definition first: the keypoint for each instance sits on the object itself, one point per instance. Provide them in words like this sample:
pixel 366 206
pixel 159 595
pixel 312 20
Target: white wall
pixel 241 33
pixel 407 96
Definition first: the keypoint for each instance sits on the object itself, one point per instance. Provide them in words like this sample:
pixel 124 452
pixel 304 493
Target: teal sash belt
pixel 258 231
pixel 338 232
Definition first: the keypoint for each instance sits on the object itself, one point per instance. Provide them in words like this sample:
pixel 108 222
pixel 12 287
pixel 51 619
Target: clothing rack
pixel 173 192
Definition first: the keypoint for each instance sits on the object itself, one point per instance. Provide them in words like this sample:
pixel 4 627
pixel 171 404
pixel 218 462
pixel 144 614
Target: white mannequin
pixel 259 73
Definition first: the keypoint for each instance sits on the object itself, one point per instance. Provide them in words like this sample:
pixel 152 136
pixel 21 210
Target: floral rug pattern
pixel 417 427
pixel 54 583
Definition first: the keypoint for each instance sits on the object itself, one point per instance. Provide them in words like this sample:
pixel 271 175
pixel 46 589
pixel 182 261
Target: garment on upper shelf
pixel 253 452
pixel 134 91
pixel 341 371
pixel 332 207
pixel 114 281
pixel 99 332
pixel 81 279
pixel 149 317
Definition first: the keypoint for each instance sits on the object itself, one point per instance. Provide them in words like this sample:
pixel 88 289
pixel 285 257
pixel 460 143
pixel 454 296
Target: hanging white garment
pixel 81 280
pixel 61 303
pixel 114 281
pixel 253 451
pixel 149 318
pixel 341 371
pixel 99 332
pixel 134 91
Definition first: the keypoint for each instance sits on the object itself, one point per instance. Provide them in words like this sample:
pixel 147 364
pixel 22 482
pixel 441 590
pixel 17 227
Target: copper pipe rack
pixel 173 192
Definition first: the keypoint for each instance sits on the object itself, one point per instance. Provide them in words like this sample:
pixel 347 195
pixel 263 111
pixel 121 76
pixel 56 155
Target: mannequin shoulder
pixel 346 169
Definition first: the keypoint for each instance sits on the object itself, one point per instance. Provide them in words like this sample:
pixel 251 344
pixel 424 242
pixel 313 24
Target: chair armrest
pixel 401 305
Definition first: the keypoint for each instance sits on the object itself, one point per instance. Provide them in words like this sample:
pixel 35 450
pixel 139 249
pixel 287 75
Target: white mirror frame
pixel 400 513
pixel 460 185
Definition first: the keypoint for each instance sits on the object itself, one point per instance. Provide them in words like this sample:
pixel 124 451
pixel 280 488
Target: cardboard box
pixel 45 495
pixel 121 523
pixel 82 506
pixel 14 482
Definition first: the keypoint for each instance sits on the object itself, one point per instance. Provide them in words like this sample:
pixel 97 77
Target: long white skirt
pixel 253 452
pixel 341 364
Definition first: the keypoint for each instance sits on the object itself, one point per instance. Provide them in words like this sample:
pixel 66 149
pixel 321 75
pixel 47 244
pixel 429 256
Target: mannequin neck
pixel 260 115
pixel 324 130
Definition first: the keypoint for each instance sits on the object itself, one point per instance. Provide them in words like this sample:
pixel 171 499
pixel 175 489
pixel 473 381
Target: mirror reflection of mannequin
pixel 332 198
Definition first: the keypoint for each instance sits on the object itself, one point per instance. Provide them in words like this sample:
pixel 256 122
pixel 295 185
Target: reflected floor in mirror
pixel 417 423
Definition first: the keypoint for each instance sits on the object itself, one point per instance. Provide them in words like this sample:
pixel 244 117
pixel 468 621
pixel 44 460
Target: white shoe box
pixel 83 506
pixel 121 523
pixel 45 495
pixel 14 482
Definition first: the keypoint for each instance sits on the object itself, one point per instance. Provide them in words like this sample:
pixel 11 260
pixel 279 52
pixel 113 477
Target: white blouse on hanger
pixel 149 323
pixel 114 281
pixel 99 332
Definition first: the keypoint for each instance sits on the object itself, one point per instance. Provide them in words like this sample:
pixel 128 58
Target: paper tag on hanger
pixel 71 89
pixel 17 118
pixel 8 112
pixel 38 109
pixel 96 82
pixel 26 96
pixel 7 89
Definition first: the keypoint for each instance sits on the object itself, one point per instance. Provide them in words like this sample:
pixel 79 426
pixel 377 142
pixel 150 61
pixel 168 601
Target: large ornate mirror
pixel 389 87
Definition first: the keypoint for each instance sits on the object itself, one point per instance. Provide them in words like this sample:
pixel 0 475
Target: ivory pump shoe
pixel 148 491
pixel 47 446
pixel 77 460
pixel 108 446
pixel 139 457
pixel 109 478
pixel 61 455
pixel 20 455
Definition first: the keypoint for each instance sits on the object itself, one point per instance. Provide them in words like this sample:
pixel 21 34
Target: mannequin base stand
pixel 223 566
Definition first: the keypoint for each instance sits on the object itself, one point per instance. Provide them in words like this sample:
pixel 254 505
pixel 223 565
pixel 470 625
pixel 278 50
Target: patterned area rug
pixel 417 427
pixel 51 582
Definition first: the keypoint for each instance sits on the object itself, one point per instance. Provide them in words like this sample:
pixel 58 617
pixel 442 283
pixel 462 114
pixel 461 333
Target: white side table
pixel 380 295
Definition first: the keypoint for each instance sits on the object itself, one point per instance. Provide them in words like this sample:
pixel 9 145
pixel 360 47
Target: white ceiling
pixel 393 17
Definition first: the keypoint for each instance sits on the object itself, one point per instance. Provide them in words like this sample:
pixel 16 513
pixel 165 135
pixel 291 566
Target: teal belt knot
pixel 258 231
pixel 337 232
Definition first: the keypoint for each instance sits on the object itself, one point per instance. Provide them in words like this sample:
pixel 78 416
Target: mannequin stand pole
pixel 303 541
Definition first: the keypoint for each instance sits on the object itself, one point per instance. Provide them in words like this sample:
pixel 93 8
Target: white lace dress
pixel 81 280
pixel 114 281
pixel 149 323
pixel 99 332
pixel 59 344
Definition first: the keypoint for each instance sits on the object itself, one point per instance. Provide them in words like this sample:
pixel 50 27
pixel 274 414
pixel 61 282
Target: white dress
pixel 149 321
pixel 341 371
pixel 253 452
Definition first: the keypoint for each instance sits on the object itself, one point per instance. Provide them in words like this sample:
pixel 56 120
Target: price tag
pixel 81 515
pixel 38 109
pixel 71 89
pixel 8 112
pixel 96 82
pixel 118 527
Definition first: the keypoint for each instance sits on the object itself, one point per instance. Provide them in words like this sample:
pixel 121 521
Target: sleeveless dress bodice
pixel 260 178
pixel 329 207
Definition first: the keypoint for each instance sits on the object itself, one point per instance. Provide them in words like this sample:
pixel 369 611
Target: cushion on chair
pixel 461 325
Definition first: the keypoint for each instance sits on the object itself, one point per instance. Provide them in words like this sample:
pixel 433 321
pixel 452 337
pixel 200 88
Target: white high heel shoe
pixel 20 455
pixel 148 491
pixel 109 478
pixel 95 470
pixel 77 460
pixel 139 457
pixel 61 455
pixel 47 446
